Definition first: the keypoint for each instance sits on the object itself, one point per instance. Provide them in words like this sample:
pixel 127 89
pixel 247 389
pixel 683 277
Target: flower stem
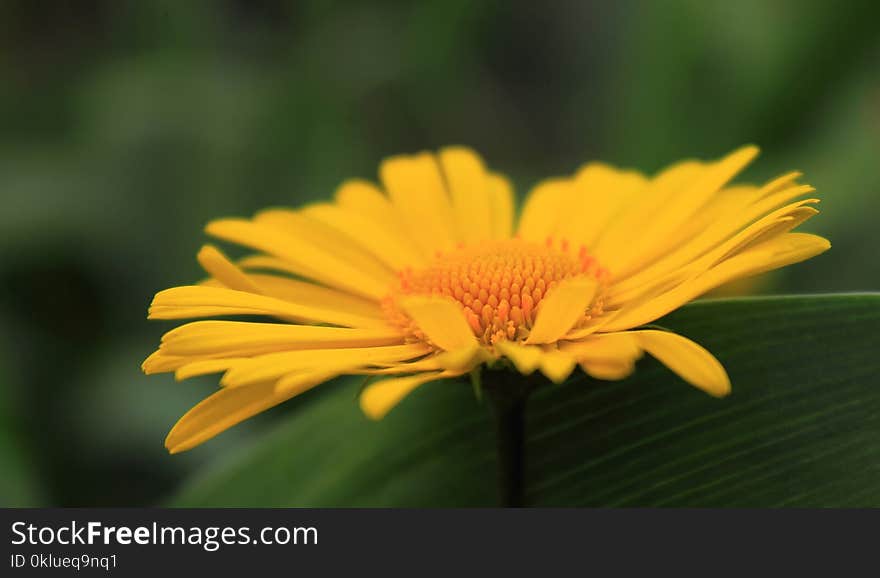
pixel 507 394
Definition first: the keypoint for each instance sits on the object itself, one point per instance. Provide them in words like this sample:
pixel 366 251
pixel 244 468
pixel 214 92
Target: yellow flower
pixel 429 276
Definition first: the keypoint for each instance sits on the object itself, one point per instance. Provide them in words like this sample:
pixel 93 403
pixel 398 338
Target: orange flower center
pixel 499 284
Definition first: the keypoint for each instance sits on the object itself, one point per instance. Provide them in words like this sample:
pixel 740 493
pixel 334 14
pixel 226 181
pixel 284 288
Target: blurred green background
pixel 126 126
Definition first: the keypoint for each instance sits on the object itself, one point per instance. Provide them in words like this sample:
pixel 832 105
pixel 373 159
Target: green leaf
pixel 801 428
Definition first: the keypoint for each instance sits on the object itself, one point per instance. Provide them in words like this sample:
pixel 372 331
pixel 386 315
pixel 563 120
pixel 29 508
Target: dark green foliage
pixel 801 428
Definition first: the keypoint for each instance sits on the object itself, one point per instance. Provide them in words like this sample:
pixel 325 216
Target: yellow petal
pixel 778 252
pixel 218 266
pixel 525 358
pixel 275 365
pixel 160 362
pixel 556 365
pixel 724 235
pixel 781 182
pixel 441 320
pixel 613 244
pixel 597 194
pixel 297 383
pixel 468 184
pixel 309 260
pixel 415 187
pixel 543 209
pixel 386 244
pixel 220 411
pixel 380 397
pixel 463 359
pixel 709 267
pixel 561 309
pixel 777 229
pixel 620 254
pixel 774 253
pixel 608 370
pixel 730 211
pixel 198 301
pixel 320 236
pixel 206 366
pixel 690 361
pixel 604 347
pixel 609 356
pixel 365 199
pixel 591 327
pixel 418 366
pixel 501 203
pixel 305 293
pixel 246 338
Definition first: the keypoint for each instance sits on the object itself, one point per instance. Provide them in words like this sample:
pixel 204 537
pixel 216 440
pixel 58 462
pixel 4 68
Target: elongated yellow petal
pixel 778 229
pixel 431 363
pixel 160 362
pixel 468 184
pixel 502 206
pixel 218 266
pixel 779 183
pixel 274 365
pixel 386 244
pixel 729 211
pixel 197 301
pixel 309 260
pixel 415 187
pixel 312 232
pixel 223 410
pixel 772 225
pixel 288 366
pixel 206 367
pixel 671 204
pixel 207 337
pixel 306 293
pixel 778 252
pixel 613 245
pixel 718 239
pixel 678 209
pixel 461 360
pixel 562 308
pixel 297 383
pixel 604 347
pixel 380 397
pixel 591 327
pixel 441 320
pixel 690 361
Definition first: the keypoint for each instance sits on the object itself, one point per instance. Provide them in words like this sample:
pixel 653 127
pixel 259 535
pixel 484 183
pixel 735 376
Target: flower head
pixel 429 276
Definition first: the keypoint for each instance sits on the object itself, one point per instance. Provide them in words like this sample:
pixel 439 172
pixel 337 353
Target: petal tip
pixel 371 411
pixel 750 151
pixel 172 445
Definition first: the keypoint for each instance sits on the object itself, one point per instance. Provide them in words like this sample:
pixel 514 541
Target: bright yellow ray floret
pixel 429 275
